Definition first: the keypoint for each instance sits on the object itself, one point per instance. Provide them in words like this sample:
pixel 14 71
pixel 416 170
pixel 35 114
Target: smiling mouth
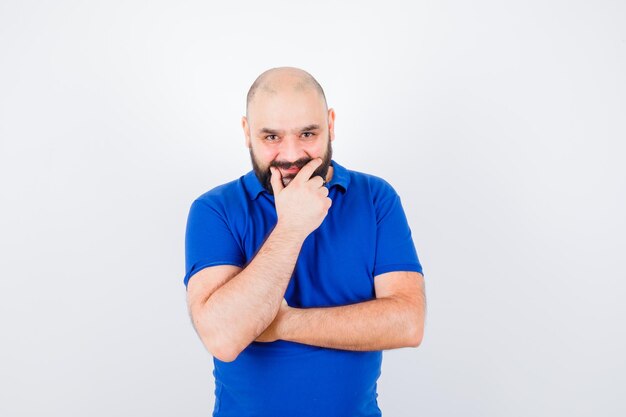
pixel 292 170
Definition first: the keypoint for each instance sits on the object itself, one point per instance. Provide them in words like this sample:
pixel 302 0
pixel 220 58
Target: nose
pixel 291 150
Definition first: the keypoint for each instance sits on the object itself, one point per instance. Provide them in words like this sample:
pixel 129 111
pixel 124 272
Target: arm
pixel 370 325
pixel 231 307
pixel 394 319
pixel 238 311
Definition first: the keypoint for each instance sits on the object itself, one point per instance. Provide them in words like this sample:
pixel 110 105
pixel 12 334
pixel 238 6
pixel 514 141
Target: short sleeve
pixel 395 250
pixel 209 240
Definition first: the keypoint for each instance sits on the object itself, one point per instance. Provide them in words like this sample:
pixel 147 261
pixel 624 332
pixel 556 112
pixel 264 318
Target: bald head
pixel 281 79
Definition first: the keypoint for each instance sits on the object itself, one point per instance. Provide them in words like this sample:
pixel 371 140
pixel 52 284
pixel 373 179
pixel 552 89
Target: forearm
pixel 244 306
pixel 383 323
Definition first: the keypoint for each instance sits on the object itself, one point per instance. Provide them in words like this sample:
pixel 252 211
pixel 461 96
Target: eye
pixel 270 136
pixel 309 133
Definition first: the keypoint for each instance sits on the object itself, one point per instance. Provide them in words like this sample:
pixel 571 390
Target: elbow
pixel 414 342
pixel 416 334
pixel 219 348
pixel 225 354
pixel 220 344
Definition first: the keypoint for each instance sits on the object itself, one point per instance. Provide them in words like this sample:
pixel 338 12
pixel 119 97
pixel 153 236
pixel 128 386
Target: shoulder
pixel 377 187
pixel 381 195
pixel 221 197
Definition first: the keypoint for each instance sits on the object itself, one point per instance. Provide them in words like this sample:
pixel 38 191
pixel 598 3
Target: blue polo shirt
pixel 364 234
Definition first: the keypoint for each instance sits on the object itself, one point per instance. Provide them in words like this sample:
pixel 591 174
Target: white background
pixel 500 124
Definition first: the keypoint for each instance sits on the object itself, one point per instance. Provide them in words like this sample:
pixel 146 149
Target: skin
pixel 231 306
pixel 280 102
pixel 283 105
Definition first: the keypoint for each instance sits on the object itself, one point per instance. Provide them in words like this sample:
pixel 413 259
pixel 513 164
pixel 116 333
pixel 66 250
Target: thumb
pixel 276 180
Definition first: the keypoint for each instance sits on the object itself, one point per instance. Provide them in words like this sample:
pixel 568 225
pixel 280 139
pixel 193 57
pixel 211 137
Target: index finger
pixel 305 173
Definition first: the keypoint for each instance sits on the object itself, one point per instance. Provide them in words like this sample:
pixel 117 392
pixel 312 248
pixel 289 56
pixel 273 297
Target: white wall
pixel 502 126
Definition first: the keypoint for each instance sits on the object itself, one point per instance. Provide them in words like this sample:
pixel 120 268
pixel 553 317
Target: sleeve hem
pixel 197 269
pixel 397 267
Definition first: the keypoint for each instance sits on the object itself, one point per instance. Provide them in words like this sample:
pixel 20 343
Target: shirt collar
pixel 341 178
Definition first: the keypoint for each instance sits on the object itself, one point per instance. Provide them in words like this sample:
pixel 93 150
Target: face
pixel 264 174
pixel 287 130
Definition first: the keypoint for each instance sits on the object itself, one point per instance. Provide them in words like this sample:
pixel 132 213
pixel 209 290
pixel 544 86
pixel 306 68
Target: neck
pixel 329 174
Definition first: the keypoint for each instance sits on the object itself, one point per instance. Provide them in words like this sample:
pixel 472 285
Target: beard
pixel 265 175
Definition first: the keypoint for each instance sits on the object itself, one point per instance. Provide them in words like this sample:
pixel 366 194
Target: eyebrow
pixel 275 131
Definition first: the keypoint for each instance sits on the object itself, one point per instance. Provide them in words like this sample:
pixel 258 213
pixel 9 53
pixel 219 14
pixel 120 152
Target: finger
pixel 276 180
pixel 305 173
pixel 316 181
pixel 324 191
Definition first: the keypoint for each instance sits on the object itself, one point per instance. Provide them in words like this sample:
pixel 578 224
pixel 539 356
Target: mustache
pixel 286 165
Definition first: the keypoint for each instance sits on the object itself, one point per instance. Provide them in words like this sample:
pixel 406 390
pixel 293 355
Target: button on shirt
pixel 364 234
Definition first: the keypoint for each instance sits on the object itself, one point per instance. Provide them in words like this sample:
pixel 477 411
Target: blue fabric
pixel 364 234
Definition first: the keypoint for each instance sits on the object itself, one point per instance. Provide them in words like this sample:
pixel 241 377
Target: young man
pixel 300 272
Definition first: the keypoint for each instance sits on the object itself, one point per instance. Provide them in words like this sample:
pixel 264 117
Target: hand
pixel 303 204
pixel 272 333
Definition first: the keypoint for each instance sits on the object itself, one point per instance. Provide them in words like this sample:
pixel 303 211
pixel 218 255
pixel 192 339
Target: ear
pixel 331 123
pixel 246 130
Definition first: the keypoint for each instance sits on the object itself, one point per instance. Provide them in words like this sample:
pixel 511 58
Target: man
pixel 300 272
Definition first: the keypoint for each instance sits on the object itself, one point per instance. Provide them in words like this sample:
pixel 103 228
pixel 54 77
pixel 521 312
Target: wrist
pixel 286 322
pixel 290 233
